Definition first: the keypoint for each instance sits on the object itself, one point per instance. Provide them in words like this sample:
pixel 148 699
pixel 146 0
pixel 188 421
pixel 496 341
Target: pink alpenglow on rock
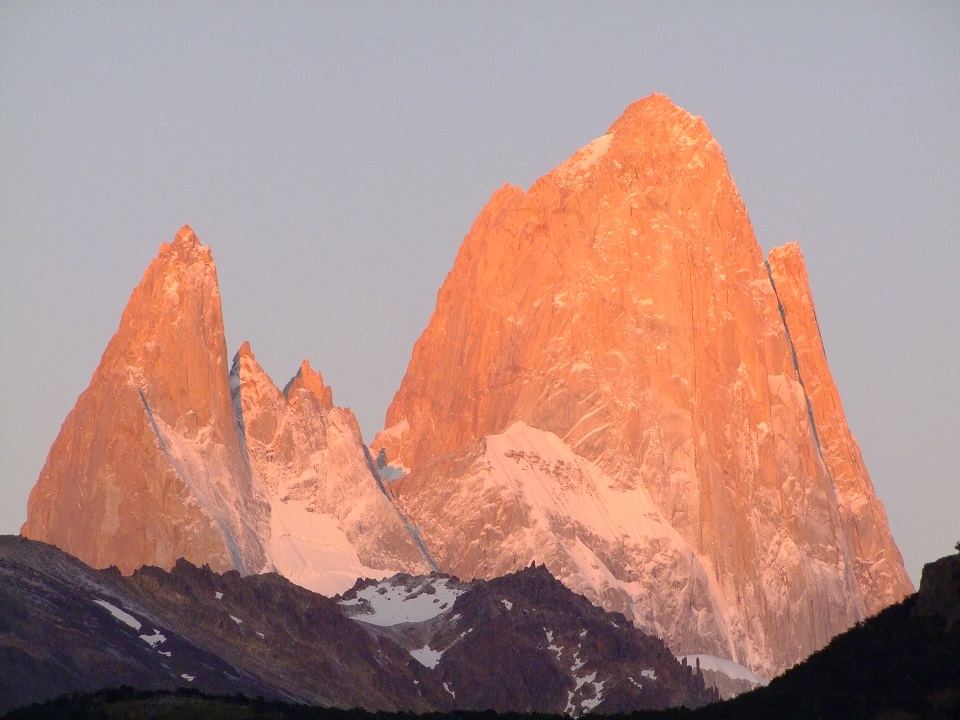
pixel 168 454
pixel 148 466
pixel 681 455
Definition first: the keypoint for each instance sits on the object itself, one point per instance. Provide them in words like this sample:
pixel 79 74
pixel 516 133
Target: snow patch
pixel 585 158
pixel 391 603
pixel 427 657
pixel 188 678
pixel 237 620
pixel 218 595
pixel 153 640
pixel 124 617
pixel 507 604
pixel 733 670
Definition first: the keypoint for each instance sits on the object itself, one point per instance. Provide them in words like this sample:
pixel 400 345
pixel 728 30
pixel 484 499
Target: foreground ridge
pixel 521 643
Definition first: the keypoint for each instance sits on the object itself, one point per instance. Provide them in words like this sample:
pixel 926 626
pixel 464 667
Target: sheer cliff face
pixel 877 562
pixel 159 459
pixel 148 466
pixel 623 305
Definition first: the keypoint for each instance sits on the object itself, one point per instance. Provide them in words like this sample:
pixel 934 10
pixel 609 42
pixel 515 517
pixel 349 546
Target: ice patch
pixel 124 617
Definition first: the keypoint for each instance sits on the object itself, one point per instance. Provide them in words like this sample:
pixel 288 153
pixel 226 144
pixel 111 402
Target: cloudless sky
pixel 333 155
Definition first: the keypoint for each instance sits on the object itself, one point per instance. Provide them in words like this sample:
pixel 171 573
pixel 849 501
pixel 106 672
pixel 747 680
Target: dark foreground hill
pixel 522 642
pixel 903 664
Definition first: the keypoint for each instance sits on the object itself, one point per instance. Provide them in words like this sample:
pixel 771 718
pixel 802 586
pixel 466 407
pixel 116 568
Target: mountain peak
pixel 185 247
pixel 621 309
pixel 186 235
pixel 244 351
pixel 165 438
pixel 656 120
pixel 309 379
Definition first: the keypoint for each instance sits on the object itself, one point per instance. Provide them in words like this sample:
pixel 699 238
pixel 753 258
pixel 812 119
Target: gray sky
pixel 334 155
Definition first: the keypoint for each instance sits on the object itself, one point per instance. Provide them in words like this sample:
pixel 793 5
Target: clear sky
pixel 334 155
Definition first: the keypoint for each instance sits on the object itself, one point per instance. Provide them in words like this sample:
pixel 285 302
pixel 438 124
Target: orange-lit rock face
pixel 167 455
pixel 877 562
pixel 623 304
pixel 148 466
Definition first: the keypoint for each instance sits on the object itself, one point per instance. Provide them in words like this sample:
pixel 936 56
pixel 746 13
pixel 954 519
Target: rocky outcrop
pixel 939 594
pixel 623 305
pixel 148 466
pixel 524 642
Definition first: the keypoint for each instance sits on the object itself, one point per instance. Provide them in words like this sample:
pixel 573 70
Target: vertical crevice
pixel 414 531
pixel 848 561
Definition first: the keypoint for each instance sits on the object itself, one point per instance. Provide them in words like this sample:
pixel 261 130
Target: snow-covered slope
pixel 524 496
pixel 330 520
pixel 727 677
pixel 522 641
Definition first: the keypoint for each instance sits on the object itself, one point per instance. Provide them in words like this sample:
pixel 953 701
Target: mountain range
pixel 615 385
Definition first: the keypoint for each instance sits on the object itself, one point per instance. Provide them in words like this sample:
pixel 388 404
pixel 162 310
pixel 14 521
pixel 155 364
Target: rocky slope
pixel 169 455
pixel 520 643
pixel 622 308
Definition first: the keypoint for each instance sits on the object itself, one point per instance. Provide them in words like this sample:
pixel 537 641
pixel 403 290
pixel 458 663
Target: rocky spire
pixel 149 466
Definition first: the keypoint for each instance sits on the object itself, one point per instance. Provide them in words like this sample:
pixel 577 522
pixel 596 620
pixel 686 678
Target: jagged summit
pixel 658 112
pixel 312 381
pixel 167 455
